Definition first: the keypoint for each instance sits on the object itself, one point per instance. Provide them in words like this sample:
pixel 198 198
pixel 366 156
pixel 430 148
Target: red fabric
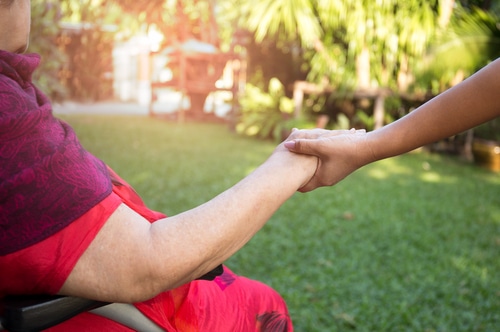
pixel 88 322
pixel 229 303
pixel 244 305
pixel 43 267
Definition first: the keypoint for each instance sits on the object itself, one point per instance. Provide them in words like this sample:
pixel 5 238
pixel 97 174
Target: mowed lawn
pixel 406 244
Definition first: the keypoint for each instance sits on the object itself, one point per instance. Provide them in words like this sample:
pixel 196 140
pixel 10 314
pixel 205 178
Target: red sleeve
pixel 44 267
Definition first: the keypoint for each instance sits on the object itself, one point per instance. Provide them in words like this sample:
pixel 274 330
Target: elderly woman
pixel 69 225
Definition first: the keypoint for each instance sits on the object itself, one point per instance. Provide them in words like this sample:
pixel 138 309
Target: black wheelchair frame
pixel 33 313
pixel 36 313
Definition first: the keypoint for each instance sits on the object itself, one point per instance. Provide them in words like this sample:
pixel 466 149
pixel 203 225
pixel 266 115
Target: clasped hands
pixel 339 152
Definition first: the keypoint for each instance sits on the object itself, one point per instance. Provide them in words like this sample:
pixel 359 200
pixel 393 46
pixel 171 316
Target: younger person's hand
pixel 340 153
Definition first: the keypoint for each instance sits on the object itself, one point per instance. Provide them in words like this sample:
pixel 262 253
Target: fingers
pixel 309 133
pixel 321 133
pixel 310 186
pixel 337 152
pixel 318 133
pixel 311 141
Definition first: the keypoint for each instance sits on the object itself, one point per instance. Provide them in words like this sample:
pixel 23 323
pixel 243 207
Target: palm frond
pixel 472 41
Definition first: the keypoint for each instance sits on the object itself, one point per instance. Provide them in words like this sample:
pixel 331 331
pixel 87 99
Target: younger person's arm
pixel 468 104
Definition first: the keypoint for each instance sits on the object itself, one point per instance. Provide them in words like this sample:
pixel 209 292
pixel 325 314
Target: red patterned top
pixel 37 152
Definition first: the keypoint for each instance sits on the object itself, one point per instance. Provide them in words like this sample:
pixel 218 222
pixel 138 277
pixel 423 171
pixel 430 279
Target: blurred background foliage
pixel 374 60
pixel 75 43
pixel 45 30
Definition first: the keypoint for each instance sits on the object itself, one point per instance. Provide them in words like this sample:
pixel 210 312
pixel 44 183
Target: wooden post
pixel 379 111
pixel 298 99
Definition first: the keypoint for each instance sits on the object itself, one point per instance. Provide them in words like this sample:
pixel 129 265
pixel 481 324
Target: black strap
pixel 212 274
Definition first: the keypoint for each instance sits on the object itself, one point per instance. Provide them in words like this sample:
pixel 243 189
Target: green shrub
pixel 264 114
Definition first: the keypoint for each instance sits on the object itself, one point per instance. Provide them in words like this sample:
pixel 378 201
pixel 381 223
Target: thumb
pixel 310 186
pixel 299 146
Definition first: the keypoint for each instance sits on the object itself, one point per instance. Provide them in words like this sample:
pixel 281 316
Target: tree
pixel 474 35
pixel 178 20
pixel 355 44
pixel 73 60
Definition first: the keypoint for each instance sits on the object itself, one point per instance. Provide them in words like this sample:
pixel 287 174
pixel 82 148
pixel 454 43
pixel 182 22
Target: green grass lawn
pixel 407 244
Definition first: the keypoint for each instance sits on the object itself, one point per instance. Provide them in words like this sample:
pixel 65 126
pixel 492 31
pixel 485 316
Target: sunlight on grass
pixel 386 168
pixel 431 177
pixel 495 214
pixel 465 264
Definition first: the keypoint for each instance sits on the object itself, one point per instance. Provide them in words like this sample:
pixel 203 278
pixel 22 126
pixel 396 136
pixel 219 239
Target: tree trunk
pixel 197 101
pixel 404 76
pixel 379 111
pixel 363 68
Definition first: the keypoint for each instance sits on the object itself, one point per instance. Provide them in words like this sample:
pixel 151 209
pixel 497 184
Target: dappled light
pixel 386 168
pixel 433 177
pixel 467 265
pixel 393 167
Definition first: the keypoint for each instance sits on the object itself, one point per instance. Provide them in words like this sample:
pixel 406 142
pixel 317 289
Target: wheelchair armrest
pixel 35 313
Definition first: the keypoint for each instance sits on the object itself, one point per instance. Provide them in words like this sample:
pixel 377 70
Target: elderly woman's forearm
pixel 131 260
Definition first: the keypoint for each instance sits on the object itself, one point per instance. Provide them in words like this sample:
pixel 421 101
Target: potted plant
pixel 486 145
